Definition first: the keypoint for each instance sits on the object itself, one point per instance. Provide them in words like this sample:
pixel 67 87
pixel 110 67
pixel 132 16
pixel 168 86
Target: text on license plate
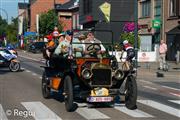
pixel 100 99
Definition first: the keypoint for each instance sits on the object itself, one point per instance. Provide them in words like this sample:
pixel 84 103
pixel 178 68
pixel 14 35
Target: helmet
pixel 49 37
pixel 125 42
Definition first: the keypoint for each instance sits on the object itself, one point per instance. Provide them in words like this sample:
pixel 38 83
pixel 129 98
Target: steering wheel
pixel 93 48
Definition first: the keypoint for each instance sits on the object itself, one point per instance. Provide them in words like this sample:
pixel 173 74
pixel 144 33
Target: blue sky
pixel 11 6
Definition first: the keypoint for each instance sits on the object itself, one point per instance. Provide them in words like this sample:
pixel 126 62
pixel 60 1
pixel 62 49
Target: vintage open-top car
pixel 94 79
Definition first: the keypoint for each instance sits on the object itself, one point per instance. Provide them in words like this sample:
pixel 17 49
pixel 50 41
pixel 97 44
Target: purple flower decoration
pixel 129 27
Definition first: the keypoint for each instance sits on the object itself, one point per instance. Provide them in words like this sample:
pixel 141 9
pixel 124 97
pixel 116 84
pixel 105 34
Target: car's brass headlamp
pixel 86 73
pixel 119 74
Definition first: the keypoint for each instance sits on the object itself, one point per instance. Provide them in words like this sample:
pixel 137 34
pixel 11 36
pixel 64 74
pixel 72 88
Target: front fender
pixel 15 60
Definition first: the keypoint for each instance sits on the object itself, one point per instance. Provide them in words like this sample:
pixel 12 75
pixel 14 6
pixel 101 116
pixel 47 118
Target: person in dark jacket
pixel 130 52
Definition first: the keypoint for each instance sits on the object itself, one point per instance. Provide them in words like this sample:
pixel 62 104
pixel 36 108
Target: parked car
pixel 36 47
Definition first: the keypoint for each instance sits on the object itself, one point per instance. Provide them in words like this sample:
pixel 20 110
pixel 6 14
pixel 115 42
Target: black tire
pixel 131 92
pixel 46 91
pixel 14 66
pixel 34 51
pixel 68 91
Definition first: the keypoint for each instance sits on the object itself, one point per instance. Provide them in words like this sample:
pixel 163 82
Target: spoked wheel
pixel 68 93
pixel 131 92
pixel 46 90
pixel 14 66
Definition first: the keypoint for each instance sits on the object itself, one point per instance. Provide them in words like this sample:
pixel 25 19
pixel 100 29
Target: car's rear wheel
pixel 46 90
pixel 131 92
pixel 68 93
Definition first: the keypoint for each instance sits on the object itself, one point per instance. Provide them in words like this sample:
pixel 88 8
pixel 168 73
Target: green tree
pixel 12 31
pixel 48 21
pixel 3 26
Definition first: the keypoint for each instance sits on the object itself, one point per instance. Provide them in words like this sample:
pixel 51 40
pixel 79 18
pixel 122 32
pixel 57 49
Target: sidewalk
pixel 150 70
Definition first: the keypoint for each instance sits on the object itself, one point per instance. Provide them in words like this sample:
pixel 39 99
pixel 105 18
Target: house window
pixel 146 8
pixel 158 8
pixel 75 21
pixel 87 6
pixel 173 8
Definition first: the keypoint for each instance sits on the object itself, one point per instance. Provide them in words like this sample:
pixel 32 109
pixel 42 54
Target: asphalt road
pixel 21 98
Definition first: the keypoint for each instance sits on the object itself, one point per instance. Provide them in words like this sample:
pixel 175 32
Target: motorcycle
pixel 9 59
pixel 11 49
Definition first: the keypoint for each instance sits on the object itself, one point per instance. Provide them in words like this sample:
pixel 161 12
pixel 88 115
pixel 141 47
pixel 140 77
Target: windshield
pixel 89 44
pixel 4 51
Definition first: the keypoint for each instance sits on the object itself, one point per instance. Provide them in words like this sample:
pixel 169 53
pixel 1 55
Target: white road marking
pixel 28 58
pixel 133 113
pixel 34 74
pixel 152 88
pixel 41 111
pixel 28 71
pixel 2 114
pixel 161 107
pixel 177 95
pixel 91 113
pixel 22 68
pixel 171 88
pixel 146 81
pixel 175 101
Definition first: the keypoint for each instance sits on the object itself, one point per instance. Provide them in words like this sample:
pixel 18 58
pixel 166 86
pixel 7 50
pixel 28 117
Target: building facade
pixel 68 14
pixel 23 17
pixel 39 6
pixel 92 17
pixel 168 13
pixel 148 11
pixel 171 27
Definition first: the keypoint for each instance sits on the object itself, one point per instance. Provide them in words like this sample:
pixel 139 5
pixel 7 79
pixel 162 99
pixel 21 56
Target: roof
pixel 23 5
pixel 174 31
pixel 72 4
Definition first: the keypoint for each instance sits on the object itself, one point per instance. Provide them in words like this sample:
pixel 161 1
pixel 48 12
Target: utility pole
pixel 136 31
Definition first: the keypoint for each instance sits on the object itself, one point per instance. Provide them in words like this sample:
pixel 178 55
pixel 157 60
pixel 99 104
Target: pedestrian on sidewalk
pixel 162 54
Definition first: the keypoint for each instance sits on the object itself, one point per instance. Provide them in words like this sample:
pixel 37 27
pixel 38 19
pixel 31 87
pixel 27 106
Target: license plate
pixel 100 99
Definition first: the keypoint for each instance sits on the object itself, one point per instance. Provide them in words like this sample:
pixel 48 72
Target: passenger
pixel 91 39
pixel 50 46
pixel 77 46
pixel 82 38
pixel 61 39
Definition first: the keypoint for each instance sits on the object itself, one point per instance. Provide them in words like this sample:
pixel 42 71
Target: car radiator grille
pixel 101 77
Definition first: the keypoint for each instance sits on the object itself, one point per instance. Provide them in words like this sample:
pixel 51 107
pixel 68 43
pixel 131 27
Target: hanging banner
pixel 106 9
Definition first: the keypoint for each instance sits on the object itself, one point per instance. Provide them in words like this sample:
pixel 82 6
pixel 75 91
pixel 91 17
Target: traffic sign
pixel 156 23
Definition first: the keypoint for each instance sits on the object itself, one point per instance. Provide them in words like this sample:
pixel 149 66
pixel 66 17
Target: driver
pixel 91 39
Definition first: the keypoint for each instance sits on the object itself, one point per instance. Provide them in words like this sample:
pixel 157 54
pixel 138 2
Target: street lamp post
pixel 5 13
